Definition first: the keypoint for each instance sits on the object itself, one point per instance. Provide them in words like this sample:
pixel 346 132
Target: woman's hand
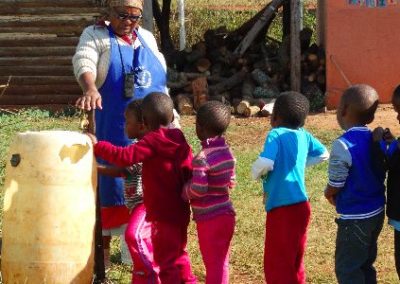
pixel 90 99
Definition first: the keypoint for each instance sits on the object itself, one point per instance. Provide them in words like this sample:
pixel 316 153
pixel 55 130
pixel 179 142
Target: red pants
pixel 215 237
pixel 285 243
pixel 138 239
pixel 170 255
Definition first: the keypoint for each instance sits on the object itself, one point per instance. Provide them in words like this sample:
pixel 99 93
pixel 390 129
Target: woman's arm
pixel 85 62
pixel 91 98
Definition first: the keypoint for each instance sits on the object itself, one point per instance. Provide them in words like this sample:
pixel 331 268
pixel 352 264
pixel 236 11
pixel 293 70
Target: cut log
pixel 314 95
pixel 203 64
pixel 248 87
pixel 228 83
pixel 267 92
pixel 184 104
pixel 197 51
pixel 242 106
pixel 313 61
pixel 200 91
pixel 260 77
pixel 268 14
pixel 224 98
pixel 251 111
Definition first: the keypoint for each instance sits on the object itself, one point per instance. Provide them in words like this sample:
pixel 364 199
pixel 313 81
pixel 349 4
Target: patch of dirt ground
pixel 385 116
pixel 245 132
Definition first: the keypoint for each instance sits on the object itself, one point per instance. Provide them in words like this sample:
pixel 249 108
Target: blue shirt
pixel 290 150
pixel 352 168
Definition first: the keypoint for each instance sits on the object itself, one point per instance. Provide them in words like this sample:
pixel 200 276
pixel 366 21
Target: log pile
pixel 212 69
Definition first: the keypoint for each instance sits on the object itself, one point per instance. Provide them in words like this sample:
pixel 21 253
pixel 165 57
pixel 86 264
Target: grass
pixel 246 137
pixel 199 18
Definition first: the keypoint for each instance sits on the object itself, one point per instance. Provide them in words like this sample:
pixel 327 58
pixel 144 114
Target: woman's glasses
pixel 126 16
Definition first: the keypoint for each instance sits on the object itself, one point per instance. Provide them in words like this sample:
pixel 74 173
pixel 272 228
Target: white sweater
pixel 93 52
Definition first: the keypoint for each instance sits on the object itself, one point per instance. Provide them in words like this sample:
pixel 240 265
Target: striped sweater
pixel 213 177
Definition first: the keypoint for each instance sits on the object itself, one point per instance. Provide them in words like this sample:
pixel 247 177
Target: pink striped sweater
pixel 213 177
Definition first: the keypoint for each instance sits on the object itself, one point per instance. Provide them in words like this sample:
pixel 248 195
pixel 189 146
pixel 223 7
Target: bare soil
pixel 251 131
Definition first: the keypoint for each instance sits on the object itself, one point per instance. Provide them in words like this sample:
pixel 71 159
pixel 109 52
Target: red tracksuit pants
pixel 285 243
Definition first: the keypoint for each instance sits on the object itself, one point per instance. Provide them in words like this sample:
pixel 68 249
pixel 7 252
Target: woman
pixel 117 61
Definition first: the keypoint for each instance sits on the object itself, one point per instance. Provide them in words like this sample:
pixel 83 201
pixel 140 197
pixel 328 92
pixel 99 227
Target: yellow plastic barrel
pixel 49 209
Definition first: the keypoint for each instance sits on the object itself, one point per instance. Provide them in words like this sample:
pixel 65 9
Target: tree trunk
pixel 162 21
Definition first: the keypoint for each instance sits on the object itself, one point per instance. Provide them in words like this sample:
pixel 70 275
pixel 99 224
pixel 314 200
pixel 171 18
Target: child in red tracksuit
pixel 166 159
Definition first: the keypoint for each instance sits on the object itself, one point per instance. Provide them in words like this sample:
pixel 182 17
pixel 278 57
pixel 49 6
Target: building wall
pixel 362 43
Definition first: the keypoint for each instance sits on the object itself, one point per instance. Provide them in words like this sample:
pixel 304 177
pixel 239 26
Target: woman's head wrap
pixel 129 3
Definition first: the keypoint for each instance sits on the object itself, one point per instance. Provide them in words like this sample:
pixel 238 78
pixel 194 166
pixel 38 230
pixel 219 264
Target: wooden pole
pixel 182 31
pixel 268 13
pixel 99 267
pixel 295 52
pixel 286 18
pixel 148 15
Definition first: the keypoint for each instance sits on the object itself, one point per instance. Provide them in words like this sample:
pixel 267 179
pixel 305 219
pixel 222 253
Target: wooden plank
pixel 36 61
pixel 38 80
pixel 56 30
pixel 36 70
pixel 262 21
pixel 295 50
pixel 37 51
pixel 18 10
pixel 45 21
pixel 14 40
pixel 38 99
pixel 25 90
pixel 48 3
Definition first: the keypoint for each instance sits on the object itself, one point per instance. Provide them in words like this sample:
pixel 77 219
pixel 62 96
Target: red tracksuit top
pixel 166 158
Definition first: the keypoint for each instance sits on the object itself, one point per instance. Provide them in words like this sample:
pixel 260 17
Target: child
pixel 208 191
pixel 138 231
pixel 356 187
pixel 166 159
pixel 288 149
pixel 393 182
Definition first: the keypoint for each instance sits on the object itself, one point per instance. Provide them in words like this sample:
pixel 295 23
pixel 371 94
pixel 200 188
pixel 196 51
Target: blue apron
pixel 150 76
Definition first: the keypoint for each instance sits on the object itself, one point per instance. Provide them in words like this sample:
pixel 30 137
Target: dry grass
pixel 246 137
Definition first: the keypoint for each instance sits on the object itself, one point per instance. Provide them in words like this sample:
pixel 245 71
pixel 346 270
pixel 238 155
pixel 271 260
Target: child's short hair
pixel 362 100
pixel 157 109
pixel 135 108
pixel 396 93
pixel 214 117
pixel 292 108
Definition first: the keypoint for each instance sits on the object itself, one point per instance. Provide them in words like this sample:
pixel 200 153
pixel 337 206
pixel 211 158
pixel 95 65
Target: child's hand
pixel 377 134
pixel 330 194
pixel 388 136
pixel 92 138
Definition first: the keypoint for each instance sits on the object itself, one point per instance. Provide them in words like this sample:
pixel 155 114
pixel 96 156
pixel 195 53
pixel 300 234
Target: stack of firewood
pixel 249 83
